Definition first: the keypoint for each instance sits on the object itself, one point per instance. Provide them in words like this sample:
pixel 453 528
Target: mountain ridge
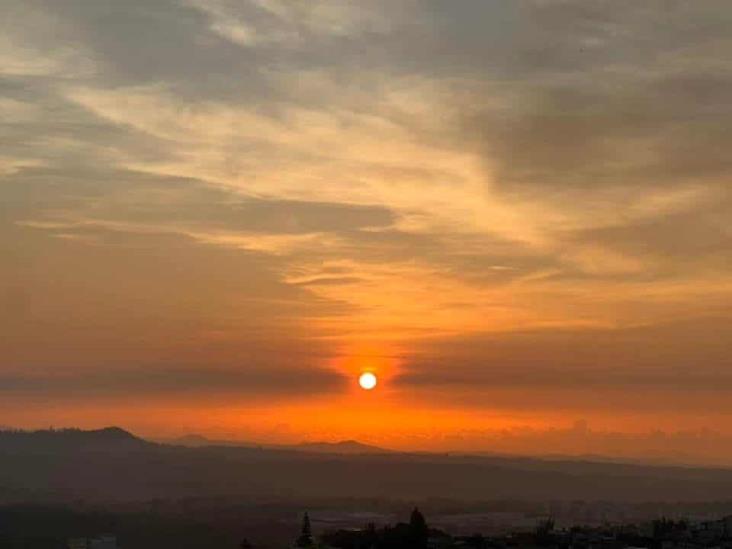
pixel 69 439
pixel 342 447
pixel 112 464
pixel 115 435
pixel 349 446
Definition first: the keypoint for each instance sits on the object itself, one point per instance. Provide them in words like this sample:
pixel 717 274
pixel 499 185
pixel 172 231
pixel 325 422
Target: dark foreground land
pixel 57 485
pixel 60 527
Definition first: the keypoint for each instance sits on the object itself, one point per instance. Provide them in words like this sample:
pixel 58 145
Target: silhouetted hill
pixel 342 447
pixel 199 441
pixel 70 440
pixel 193 441
pixel 114 465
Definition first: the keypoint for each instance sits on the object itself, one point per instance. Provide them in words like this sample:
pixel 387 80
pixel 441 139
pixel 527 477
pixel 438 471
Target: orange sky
pixel 214 215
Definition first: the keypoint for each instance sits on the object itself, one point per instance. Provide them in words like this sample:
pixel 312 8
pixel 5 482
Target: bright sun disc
pixel 367 381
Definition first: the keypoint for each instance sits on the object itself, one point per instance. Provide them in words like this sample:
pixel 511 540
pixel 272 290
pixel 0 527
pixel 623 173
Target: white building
pixel 103 542
pixel 77 543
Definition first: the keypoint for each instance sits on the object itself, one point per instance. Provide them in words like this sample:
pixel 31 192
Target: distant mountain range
pixel 341 447
pixel 116 438
pixel 199 441
pixel 112 465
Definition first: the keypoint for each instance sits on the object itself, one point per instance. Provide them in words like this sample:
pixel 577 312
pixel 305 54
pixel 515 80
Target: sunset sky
pixel 215 214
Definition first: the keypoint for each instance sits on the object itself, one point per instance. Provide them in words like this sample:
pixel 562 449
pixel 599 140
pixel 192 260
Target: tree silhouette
pixel 544 531
pixel 417 530
pixel 306 534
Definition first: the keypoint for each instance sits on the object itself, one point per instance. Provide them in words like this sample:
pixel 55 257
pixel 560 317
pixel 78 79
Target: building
pixel 105 541
pixel 77 543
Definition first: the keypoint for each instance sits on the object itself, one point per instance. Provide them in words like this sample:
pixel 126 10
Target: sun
pixel 367 381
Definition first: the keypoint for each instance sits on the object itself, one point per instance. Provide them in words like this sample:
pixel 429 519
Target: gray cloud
pixel 135 383
pixel 610 94
pixel 687 358
pixel 104 296
pixel 681 242
pixel 95 195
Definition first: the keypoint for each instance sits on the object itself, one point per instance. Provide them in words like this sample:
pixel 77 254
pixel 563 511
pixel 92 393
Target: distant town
pixel 109 489
pixel 662 533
